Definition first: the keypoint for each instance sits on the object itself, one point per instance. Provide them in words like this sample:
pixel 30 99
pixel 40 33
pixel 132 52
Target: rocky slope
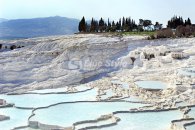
pixel 51 62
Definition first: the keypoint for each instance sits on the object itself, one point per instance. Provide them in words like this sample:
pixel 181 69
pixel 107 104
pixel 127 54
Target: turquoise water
pixel 50 90
pixel 29 129
pixel 67 114
pixel 109 121
pixel 145 121
pixel 36 100
pixel 123 84
pixel 192 127
pixel 192 115
pixel 109 93
pixel 79 88
pixel 182 104
pixel 133 98
pixel 17 118
pixel 151 84
pixel 192 112
pixel 187 71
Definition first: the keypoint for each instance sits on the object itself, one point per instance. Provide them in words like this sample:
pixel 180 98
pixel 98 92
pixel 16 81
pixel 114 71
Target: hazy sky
pixel 160 10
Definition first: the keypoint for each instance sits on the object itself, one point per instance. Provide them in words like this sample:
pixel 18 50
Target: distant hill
pixel 3 20
pixel 25 28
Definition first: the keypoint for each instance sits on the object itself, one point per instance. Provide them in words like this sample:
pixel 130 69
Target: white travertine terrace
pixel 60 61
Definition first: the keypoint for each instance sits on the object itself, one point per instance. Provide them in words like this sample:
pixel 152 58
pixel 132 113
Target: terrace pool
pixel 145 121
pixel 37 100
pixel 187 72
pixel 151 84
pixel 67 114
pixel 79 88
pixel 191 127
pixel 18 118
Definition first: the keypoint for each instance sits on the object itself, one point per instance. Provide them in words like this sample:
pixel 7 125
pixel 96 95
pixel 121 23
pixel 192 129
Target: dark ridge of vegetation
pixel 176 27
pixel 122 25
pixel 13 47
pixel 177 21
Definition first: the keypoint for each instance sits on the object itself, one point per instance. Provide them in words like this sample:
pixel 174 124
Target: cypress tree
pixel 123 24
pixel 188 22
pixel 96 26
pixel 109 26
pixel 105 27
pixel 92 27
pixel 82 25
pixel 119 24
pixel 101 25
pixel 113 28
pixel 177 21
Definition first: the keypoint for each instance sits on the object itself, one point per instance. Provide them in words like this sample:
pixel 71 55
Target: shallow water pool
pixel 36 100
pixel 151 84
pixel 18 118
pixel 145 121
pixel 67 114
pixel 191 127
pixel 64 89
pixel 187 72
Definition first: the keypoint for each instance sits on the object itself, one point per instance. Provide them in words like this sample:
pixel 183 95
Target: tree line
pixel 124 24
pixel 177 21
pixel 128 25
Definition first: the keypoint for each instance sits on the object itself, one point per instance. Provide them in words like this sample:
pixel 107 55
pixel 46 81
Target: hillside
pixel 36 27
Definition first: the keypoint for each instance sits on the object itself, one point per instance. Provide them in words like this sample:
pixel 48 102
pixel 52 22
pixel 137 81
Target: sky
pixel 155 10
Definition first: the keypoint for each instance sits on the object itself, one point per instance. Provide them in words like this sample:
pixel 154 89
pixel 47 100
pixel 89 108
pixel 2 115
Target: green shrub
pixel 13 47
pixel 152 37
pixel 193 34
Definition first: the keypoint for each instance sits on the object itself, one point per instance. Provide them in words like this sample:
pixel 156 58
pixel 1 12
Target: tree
pixel 143 24
pixel 123 24
pixel 157 26
pixel 101 25
pixel 113 28
pixel 126 25
pixel 13 47
pixel 108 29
pixel 188 22
pixel 175 21
pixel 96 26
pixel 146 23
pixel 130 24
pixel 82 25
pixel 117 26
pixel 92 27
pixel 134 25
pixel 105 27
pixel 87 27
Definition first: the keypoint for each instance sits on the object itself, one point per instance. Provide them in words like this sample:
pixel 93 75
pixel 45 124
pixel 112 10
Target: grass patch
pixel 145 33
pixel 149 33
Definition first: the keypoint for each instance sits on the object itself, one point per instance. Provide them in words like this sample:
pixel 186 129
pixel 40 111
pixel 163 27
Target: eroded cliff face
pixel 53 62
